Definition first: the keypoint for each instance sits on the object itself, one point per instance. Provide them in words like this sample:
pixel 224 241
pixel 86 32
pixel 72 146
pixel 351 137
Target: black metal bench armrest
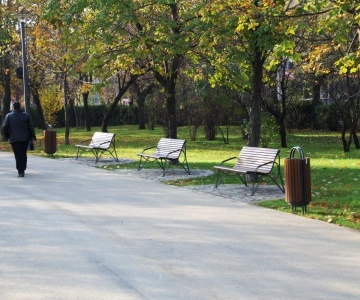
pixel 99 145
pixel 269 162
pixel 226 160
pixel 148 148
pixel 171 152
pixel 85 141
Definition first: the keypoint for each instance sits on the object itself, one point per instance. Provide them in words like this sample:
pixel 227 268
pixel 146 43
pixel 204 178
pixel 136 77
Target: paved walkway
pixel 68 231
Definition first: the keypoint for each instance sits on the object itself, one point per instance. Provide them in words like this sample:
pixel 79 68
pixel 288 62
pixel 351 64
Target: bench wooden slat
pixel 101 140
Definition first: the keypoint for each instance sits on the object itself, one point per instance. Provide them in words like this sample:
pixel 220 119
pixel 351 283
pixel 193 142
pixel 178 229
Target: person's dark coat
pixel 18 127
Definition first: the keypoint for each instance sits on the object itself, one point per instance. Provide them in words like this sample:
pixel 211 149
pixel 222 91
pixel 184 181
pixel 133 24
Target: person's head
pixel 16 105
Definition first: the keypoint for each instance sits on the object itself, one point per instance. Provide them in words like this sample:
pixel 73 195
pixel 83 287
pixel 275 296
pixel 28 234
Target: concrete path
pixel 69 231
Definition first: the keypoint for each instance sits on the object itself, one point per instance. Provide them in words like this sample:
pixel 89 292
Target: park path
pixel 69 231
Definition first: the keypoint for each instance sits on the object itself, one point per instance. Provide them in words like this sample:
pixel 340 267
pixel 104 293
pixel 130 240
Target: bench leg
pixel 101 152
pixel 140 165
pixel 278 180
pixel 260 178
pixel 255 187
pixel 115 157
pixel 77 154
pixel 164 165
pixel 96 154
pixel 185 166
pixel 281 184
pixel 142 161
pixel 220 177
pixel 113 152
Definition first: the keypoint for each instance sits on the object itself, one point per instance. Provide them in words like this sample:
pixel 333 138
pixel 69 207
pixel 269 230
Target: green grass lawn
pixel 335 175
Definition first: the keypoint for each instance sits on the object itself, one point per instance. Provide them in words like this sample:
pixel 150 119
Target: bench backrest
pixel 102 140
pixel 251 157
pixel 166 145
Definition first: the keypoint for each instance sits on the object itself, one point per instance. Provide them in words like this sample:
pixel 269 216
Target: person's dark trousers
pixel 20 152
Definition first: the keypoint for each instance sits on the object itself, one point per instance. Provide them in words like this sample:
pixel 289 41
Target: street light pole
pixel 22 20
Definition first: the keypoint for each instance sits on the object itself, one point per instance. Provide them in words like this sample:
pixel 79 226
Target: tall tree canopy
pixel 240 42
pixel 138 36
pixel 243 39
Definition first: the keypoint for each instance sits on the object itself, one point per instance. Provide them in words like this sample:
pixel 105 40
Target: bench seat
pixel 100 143
pixel 166 153
pixel 254 163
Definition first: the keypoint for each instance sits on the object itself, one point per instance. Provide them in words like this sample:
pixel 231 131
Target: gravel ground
pixel 235 192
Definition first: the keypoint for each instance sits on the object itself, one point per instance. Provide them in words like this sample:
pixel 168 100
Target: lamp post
pixel 22 20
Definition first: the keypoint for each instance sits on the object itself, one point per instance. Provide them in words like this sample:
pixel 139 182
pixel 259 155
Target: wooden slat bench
pixel 100 143
pixel 256 163
pixel 166 153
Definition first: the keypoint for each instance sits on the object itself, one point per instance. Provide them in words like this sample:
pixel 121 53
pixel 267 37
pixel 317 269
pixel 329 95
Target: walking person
pixel 18 128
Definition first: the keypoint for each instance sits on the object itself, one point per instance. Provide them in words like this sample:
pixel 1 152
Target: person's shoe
pixel 21 174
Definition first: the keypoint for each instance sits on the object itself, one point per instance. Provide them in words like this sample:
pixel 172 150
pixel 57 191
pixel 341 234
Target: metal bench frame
pixel 255 163
pixel 168 152
pixel 100 143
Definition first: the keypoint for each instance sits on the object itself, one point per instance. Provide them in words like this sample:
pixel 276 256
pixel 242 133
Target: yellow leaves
pixel 319 52
pixel 240 27
pixel 51 102
pixel 252 25
pixel 318 59
pixel 198 76
pixel 85 88
pixel 268 3
pixel 246 25
pixel 122 62
pixel 290 31
pixel 345 69
pixel 348 64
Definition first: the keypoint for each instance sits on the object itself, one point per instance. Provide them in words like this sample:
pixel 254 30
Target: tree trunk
pixel 171 109
pixel 141 113
pixel 85 96
pixel 168 81
pixel 123 87
pixel 141 98
pixel 40 112
pixel 316 101
pixel 256 99
pixel 283 135
pixel 66 110
pixel 6 80
pixel 346 144
pixel 356 140
pixel 86 111
pixel 111 111
pixel 278 107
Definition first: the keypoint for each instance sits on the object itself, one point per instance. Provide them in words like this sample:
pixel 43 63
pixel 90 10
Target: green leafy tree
pixel 7 48
pixel 335 61
pixel 149 35
pixel 246 38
